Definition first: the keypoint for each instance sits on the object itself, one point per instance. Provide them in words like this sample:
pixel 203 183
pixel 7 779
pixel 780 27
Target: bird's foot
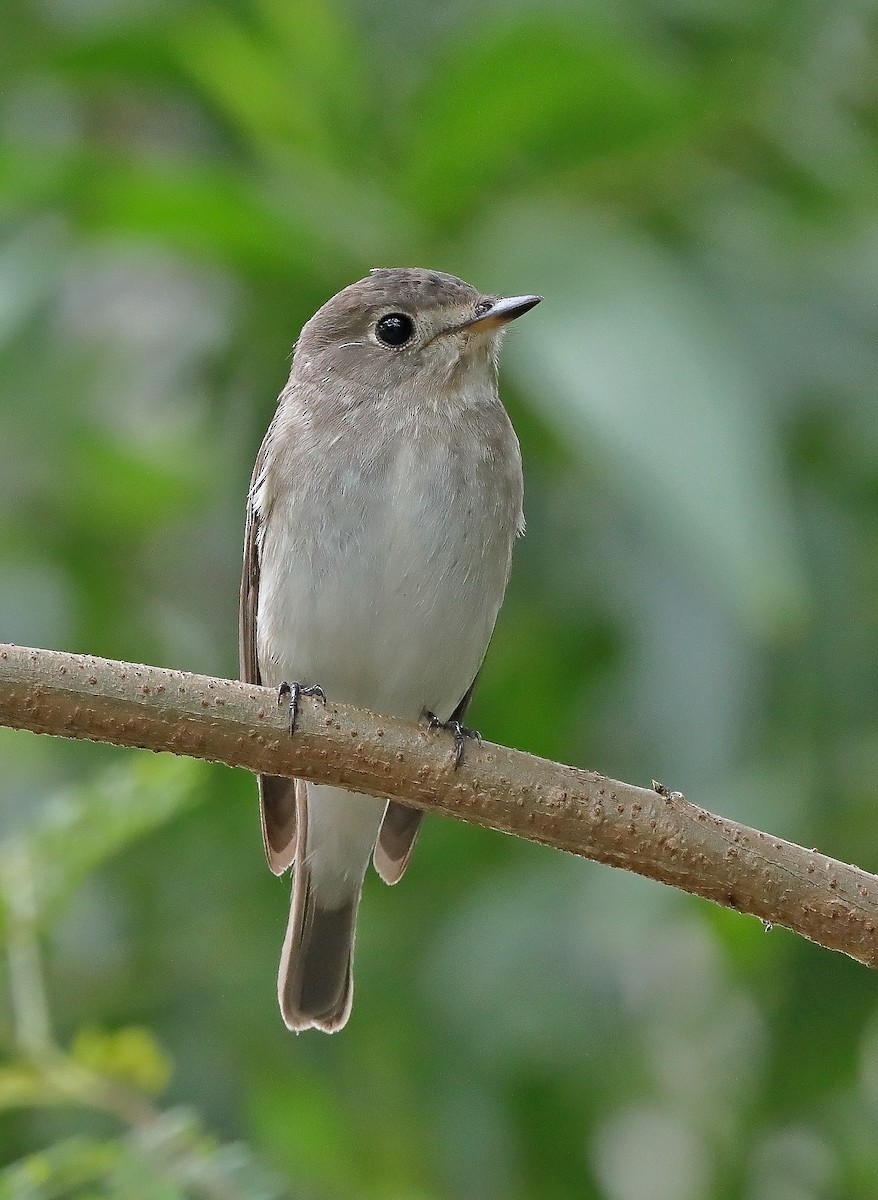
pixel 293 692
pixel 460 731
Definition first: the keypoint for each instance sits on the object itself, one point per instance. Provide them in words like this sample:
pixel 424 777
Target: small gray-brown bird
pixel 381 515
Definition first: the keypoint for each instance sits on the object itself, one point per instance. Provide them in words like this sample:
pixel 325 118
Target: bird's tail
pixel 335 837
pixel 314 983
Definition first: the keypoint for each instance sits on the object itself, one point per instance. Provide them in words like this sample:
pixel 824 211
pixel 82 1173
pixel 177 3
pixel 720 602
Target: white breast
pixel 383 569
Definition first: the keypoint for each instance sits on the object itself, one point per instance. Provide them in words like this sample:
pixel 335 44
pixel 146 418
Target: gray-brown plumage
pixel 380 521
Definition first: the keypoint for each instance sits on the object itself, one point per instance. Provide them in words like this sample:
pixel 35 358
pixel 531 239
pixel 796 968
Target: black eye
pixel 395 329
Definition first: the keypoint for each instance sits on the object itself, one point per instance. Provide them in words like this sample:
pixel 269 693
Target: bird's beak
pixel 502 312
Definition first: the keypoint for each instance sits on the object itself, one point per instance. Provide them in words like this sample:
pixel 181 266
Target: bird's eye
pixel 395 329
pixel 483 307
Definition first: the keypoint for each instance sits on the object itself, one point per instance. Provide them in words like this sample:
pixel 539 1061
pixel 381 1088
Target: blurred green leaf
pixel 122 490
pixel 131 1055
pixel 169 1158
pixel 210 211
pixel 292 78
pixel 26 1086
pixel 175 1146
pixel 77 831
pixel 62 1172
pixel 300 1123
pixel 511 105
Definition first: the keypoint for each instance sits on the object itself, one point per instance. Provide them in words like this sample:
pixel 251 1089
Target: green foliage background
pixel 692 186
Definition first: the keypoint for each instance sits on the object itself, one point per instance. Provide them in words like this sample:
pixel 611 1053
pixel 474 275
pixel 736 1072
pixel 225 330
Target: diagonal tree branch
pixel 654 832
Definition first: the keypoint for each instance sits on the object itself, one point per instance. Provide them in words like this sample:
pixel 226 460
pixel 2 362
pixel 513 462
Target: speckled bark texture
pixel 652 831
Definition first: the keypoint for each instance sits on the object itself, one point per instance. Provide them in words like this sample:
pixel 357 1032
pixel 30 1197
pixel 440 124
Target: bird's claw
pixel 460 731
pixel 294 691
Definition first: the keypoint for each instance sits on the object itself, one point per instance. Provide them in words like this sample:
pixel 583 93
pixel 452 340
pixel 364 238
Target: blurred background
pixel 693 186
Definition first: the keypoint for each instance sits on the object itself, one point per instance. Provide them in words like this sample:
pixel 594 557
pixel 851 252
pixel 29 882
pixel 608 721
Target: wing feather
pixel 277 795
pixel 400 826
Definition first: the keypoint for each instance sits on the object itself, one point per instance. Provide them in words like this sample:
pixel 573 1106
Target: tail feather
pixel 396 840
pixel 278 801
pixel 335 837
pixel 314 984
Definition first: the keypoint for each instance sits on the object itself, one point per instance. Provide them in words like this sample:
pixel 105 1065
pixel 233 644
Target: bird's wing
pixel 277 795
pixel 399 828
pixel 247 659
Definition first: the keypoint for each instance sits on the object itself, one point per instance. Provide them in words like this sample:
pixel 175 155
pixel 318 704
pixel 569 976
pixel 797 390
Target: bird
pixel 381 516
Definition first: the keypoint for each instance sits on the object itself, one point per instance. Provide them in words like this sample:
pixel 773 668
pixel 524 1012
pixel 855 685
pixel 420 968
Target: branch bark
pixel 653 832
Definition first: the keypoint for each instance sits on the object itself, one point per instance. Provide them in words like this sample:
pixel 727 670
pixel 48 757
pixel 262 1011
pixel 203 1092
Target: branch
pixel 654 832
